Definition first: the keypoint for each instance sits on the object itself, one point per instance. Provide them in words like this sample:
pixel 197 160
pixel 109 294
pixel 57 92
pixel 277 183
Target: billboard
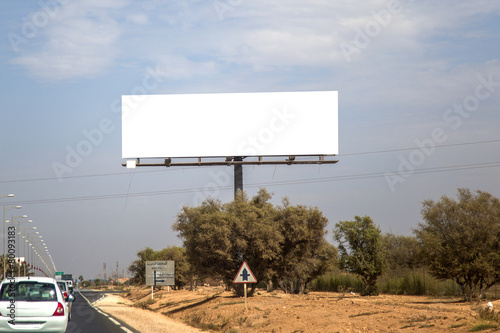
pixel 230 124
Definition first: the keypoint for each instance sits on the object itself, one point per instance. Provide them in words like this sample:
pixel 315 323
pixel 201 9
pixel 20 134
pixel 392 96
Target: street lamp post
pixel 31 255
pixel 18 232
pixel 25 237
pixel 52 268
pixel 42 260
pixel 19 244
pixel 5 209
pixel 3 222
pixel 45 260
pixel 35 260
pixel 46 263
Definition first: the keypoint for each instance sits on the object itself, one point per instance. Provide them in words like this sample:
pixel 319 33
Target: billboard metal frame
pixel 237 162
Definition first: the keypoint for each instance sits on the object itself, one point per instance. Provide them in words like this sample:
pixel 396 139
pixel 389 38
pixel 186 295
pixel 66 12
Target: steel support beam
pixel 238 175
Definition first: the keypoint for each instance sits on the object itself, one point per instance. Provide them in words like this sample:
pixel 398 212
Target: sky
pixel 418 114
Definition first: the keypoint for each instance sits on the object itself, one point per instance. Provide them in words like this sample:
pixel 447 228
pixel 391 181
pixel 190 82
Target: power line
pixel 86 176
pixel 270 184
pixel 413 148
pixel 189 168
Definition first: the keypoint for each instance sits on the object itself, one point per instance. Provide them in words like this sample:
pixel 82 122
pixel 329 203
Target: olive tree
pixel 461 239
pixel 403 252
pixel 361 250
pixel 304 253
pixel 283 245
pixel 138 267
pixel 183 273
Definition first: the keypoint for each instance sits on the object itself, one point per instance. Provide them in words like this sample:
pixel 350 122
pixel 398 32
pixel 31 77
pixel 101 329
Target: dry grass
pixel 215 311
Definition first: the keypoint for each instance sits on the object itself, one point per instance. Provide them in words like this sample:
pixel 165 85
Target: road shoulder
pixel 139 319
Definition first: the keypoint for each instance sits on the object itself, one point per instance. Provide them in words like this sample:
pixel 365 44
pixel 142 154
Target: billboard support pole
pixel 238 175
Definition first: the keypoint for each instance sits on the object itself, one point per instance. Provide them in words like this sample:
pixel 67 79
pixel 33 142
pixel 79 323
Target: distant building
pixel 122 280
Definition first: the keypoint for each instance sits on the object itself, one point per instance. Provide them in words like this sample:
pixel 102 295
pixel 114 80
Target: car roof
pixel 36 279
pixel 30 278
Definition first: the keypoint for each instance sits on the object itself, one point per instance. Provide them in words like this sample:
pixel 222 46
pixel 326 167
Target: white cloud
pixel 140 19
pixel 404 64
pixel 179 67
pixel 289 48
pixel 79 41
pixel 188 38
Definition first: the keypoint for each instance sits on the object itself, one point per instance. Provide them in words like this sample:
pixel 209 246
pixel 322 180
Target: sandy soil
pixel 140 319
pixel 214 310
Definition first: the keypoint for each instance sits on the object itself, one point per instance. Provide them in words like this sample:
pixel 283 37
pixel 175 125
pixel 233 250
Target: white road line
pixel 114 321
pixel 84 298
pixel 105 314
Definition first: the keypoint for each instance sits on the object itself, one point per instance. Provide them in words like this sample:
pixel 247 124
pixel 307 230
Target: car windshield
pixel 28 291
pixel 62 286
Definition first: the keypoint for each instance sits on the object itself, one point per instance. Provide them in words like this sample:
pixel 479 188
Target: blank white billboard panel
pixel 230 124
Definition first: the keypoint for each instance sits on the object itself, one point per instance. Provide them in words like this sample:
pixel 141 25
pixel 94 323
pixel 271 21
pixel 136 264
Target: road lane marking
pixel 114 321
pixel 105 314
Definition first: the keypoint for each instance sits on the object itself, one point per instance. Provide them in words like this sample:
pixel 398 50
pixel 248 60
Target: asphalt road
pixel 86 319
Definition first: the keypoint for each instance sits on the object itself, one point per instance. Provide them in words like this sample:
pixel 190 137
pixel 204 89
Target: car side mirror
pixel 71 298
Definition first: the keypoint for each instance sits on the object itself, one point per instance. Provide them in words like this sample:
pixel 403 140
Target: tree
pixel 361 250
pixel 183 274
pixel 278 243
pixel 403 252
pixel 206 234
pixel 305 254
pixel 256 236
pixel 175 253
pixel 138 267
pixel 461 239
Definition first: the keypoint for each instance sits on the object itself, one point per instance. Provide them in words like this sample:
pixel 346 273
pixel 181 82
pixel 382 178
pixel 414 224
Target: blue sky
pixel 418 83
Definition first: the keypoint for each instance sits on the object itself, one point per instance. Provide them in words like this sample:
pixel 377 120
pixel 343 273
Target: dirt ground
pixel 212 309
pixel 140 319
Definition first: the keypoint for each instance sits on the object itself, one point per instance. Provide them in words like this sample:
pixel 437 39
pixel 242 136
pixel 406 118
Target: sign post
pixel 160 273
pixel 245 276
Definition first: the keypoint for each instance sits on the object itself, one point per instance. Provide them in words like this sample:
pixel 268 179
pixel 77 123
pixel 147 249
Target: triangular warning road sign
pixel 245 275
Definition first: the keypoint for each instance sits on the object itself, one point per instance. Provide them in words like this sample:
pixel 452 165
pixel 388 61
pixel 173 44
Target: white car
pixel 64 286
pixel 32 304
